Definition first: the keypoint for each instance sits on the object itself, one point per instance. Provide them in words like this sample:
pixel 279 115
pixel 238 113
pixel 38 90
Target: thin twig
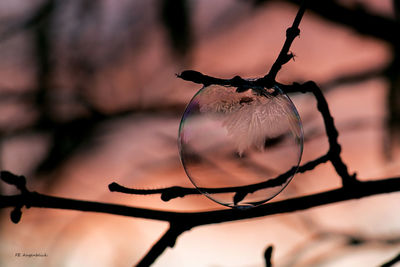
pixel 284 55
pixel 268 256
pixel 354 78
pixel 177 191
pixel 167 240
pixel 392 261
pixel 356 17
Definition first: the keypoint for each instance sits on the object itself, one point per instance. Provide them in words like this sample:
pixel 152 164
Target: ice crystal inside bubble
pixel 240 149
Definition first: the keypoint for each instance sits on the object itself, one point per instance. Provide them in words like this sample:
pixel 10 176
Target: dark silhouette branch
pixel 197 77
pixel 285 56
pixel 356 17
pixel 167 240
pixel 268 256
pixel 392 261
pixel 330 129
pixel 354 78
pixel 28 23
pixel 348 240
pixel 182 221
pixel 177 191
pixel 364 189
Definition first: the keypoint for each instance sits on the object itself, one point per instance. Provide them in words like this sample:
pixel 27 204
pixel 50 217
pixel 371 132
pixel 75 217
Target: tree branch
pixel 330 129
pixel 182 221
pixel 392 261
pixel 177 191
pixel 31 21
pixel 167 240
pixel 356 17
pixel 284 55
pixel 268 256
pixel 364 189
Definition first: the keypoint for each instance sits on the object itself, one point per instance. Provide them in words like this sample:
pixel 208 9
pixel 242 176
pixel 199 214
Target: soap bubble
pixel 240 149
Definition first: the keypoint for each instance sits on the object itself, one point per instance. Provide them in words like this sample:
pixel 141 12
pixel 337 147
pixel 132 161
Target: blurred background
pixel 89 96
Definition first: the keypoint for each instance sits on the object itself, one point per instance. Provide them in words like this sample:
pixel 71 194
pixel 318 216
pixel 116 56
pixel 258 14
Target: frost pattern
pixel 249 118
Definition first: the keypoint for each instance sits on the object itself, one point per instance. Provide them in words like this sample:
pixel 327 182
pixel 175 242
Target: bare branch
pixel 291 33
pixel 392 261
pixel 330 129
pixel 191 219
pixel 268 256
pixel 353 78
pixel 177 191
pixel 356 17
pixel 33 20
pixel 182 221
pixel 167 240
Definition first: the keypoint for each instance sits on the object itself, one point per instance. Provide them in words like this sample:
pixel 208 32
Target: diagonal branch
pixel 167 240
pixel 357 17
pixel 392 261
pixel 284 55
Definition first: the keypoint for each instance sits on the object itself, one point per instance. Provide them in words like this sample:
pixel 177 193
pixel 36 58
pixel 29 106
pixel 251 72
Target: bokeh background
pixel 89 95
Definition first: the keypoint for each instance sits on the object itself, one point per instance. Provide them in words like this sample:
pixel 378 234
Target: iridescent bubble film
pixel 240 149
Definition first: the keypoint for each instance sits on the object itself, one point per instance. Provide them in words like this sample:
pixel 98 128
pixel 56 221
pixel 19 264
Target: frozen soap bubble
pixel 240 149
